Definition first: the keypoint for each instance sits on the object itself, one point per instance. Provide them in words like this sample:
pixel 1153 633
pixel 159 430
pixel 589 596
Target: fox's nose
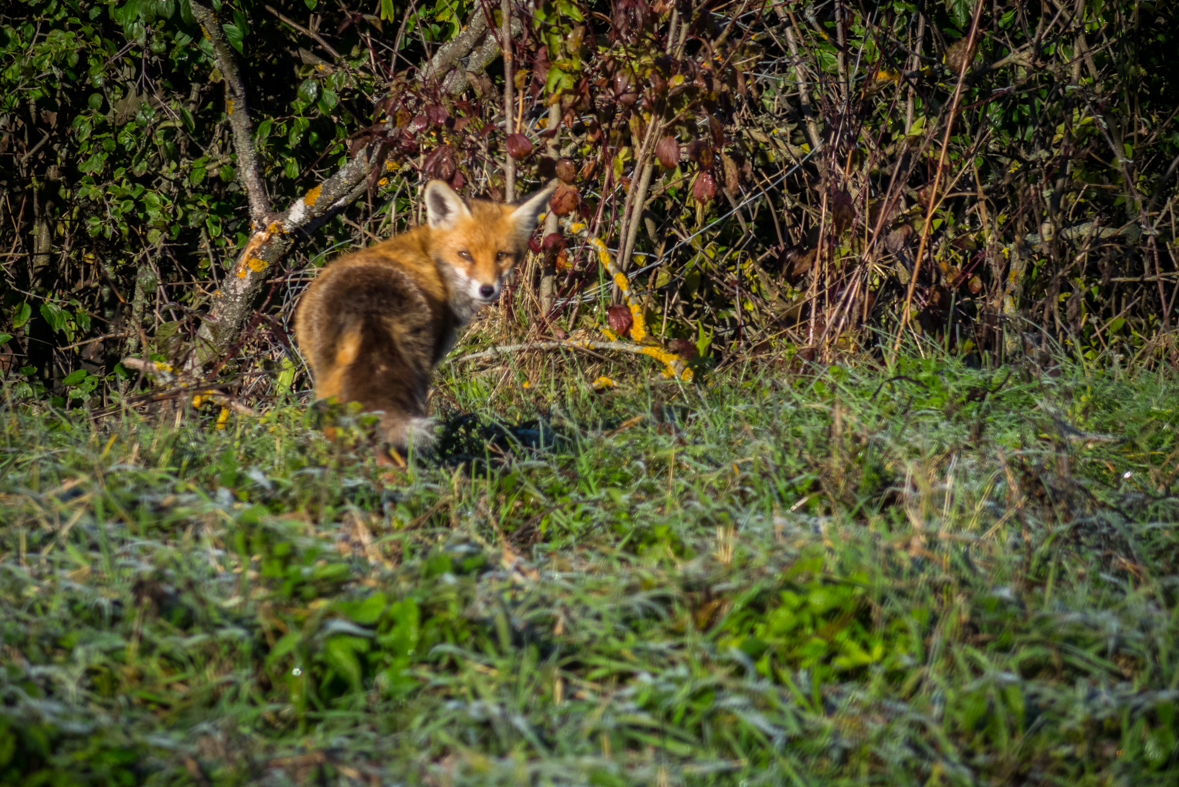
pixel 487 290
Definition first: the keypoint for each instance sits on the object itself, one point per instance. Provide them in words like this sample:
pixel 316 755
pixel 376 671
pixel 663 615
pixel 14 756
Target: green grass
pixel 927 575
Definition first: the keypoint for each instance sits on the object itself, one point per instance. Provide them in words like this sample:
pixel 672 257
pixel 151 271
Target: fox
pixel 374 323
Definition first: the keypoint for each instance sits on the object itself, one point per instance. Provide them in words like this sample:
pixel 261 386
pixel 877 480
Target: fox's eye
pixel 466 255
pixel 502 256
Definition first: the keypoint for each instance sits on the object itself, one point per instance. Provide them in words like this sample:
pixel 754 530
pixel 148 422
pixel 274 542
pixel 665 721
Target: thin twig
pixel 934 201
pixel 509 99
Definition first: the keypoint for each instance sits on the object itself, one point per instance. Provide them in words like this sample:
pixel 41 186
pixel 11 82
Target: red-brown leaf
pixel 620 319
pixel 684 348
pixel 441 163
pixel 564 200
pixel 704 187
pixel 667 150
pixel 566 171
pixel 518 146
pixel 843 210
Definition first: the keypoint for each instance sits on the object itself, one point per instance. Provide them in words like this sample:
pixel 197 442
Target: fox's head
pixel 479 241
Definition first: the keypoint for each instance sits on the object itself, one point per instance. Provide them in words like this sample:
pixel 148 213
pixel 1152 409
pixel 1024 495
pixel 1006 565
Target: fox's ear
pixel 524 216
pixel 444 207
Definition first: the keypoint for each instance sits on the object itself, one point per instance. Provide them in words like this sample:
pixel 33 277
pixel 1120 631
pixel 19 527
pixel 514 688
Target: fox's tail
pixel 383 352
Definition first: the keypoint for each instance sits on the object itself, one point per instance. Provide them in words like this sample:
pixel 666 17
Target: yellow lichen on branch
pixel 674 365
pixel 312 196
pixel 249 260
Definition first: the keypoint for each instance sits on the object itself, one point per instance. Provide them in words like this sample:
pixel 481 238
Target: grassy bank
pixel 924 575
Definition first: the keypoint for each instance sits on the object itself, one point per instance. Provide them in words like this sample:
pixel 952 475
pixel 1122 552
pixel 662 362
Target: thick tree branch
pixel 239 115
pixel 488 50
pixel 274 234
pixel 448 56
pixel 234 301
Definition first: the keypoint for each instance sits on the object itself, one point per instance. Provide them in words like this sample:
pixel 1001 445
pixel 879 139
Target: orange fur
pixel 374 323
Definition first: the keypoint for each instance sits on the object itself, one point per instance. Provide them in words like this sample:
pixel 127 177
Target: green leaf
pixel 959 11
pixel 21 315
pixel 340 653
pixel 365 612
pixel 234 35
pixel 75 377
pixel 55 316
pixel 284 646
pixel 309 90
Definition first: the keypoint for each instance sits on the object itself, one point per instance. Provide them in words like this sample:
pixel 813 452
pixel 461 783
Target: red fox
pixel 374 323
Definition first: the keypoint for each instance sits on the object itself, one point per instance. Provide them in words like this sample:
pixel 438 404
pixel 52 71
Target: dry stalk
pixel 935 199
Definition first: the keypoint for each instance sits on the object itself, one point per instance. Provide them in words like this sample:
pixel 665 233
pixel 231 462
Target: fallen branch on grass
pixel 674 365
pixel 165 375
pixel 669 359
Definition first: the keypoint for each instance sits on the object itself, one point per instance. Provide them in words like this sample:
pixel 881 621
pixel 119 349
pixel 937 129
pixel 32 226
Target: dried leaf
pixel 684 348
pixel 701 153
pixel 718 131
pixel 732 176
pixel 898 238
pixel 565 199
pixel 843 210
pixel 588 169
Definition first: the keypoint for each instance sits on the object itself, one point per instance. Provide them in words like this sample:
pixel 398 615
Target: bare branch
pixel 233 302
pixel 488 50
pixel 184 383
pixel 447 57
pixel 275 234
pixel 239 116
